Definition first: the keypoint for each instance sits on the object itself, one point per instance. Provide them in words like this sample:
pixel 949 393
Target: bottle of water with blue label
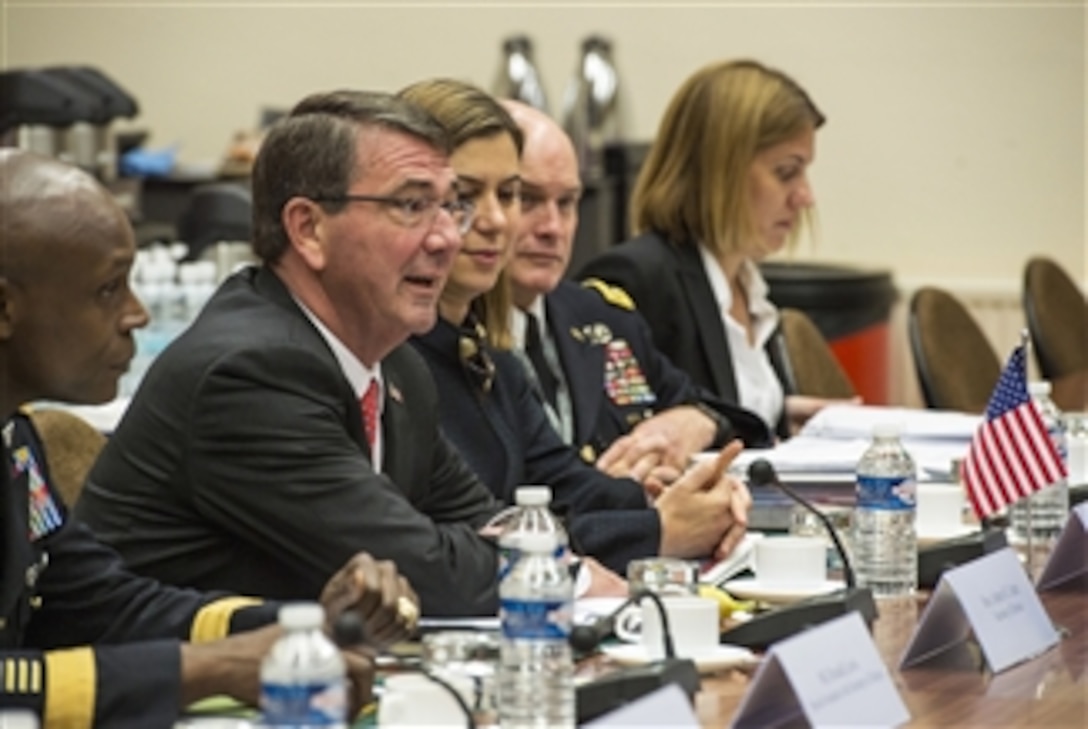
pixel 303 681
pixel 530 516
pixel 885 546
pixel 536 669
pixel 1050 505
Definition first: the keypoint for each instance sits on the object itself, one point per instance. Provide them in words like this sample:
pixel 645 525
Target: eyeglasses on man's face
pixel 414 210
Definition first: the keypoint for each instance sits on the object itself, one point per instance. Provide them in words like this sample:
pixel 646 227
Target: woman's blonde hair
pixel 468 112
pixel 693 184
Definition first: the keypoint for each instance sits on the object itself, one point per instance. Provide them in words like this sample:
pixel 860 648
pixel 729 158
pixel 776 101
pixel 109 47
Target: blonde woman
pixel 724 186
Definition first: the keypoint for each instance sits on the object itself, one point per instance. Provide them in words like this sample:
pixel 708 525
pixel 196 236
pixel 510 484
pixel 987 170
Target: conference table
pixel 955 690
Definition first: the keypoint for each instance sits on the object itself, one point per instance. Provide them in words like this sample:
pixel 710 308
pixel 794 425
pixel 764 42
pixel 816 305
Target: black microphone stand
pixel 624 686
pixel 770 627
pixel 762 473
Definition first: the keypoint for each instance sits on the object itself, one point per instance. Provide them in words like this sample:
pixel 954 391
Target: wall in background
pixel 955 147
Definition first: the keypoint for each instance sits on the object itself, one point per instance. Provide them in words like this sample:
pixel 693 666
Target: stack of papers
pixel 810 460
pixel 857 421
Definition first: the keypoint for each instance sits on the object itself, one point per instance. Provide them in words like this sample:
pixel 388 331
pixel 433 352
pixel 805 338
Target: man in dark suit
pixel 291 426
pixel 609 391
pixel 83 642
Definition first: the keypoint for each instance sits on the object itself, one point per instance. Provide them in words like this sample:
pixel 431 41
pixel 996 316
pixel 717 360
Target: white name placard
pixel 992 597
pixel 1069 560
pixel 830 675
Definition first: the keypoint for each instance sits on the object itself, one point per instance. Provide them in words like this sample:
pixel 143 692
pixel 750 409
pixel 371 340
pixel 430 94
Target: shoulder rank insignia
pixel 612 294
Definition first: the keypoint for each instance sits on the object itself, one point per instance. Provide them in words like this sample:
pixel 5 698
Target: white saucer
pixel 951 531
pixel 717 659
pixel 750 588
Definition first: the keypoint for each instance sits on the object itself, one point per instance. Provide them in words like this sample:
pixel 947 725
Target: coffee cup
pixel 940 508
pixel 413 699
pixel 693 624
pixel 791 560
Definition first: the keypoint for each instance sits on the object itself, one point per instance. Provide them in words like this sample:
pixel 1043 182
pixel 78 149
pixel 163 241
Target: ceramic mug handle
pixel 628 624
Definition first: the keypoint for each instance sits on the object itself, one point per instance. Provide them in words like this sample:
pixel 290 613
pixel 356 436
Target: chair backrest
pixel 219 211
pixel 1057 316
pixel 956 365
pixel 812 366
pixel 71 447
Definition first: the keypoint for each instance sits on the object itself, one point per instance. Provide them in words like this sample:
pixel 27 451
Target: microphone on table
pixel 348 630
pixel 762 473
pixel 770 627
pixel 621 687
pixel 586 638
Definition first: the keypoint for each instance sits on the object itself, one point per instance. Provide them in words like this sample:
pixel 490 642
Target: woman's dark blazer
pixel 505 436
pixel 670 287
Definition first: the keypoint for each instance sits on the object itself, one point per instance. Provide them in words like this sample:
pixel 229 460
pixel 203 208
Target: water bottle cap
pixel 301 616
pixel 537 542
pixel 886 430
pixel 533 495
pixel 1039 388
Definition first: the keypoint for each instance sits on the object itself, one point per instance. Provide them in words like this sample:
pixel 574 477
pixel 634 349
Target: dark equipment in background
pixel 65 112
pixel 214 213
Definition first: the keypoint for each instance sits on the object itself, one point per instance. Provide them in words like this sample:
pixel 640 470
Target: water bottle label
pixel 316 705
pixel 1057 437
pixel 888 493
pixel 539 619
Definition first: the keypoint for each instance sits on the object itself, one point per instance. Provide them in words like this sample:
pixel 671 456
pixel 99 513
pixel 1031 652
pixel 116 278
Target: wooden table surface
pixel 1049 691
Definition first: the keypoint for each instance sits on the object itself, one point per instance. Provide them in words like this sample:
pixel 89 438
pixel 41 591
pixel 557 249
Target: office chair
pixel 220 211
pixel 811 367
pixel 71 447
pixel 956 365
pixel 1057 317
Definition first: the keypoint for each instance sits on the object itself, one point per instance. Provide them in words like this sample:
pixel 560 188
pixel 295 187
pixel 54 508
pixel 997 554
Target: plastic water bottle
pixel 885 546
pixel 518 78
pixel 530 516
pixel 1050 505
pixel 303 680
pixel 536 669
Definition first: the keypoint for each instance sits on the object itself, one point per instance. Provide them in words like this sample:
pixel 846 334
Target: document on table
pixel 813 459
pixel 857 421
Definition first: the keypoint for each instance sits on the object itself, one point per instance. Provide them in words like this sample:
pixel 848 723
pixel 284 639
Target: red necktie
pixel 369 405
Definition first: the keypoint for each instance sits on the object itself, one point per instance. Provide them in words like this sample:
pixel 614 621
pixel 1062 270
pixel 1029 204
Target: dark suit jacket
pixel 580 321
pixel 241 464
pixel 506 438
pixel 671 289
pixel 61 589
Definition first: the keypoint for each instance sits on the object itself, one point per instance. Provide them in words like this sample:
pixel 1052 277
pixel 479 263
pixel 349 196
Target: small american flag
pixel 1011 455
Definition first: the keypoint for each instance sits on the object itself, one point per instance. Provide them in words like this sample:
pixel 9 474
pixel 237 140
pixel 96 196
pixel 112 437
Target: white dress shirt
pixel 758 387
pixel 359 376
pixel 562 415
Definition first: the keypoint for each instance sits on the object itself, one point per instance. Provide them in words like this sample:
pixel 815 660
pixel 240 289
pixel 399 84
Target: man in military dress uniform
pixel 83 642
pixel 608 390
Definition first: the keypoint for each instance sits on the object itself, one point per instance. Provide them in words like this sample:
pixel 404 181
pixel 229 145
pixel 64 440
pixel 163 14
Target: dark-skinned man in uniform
pixel 82 641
